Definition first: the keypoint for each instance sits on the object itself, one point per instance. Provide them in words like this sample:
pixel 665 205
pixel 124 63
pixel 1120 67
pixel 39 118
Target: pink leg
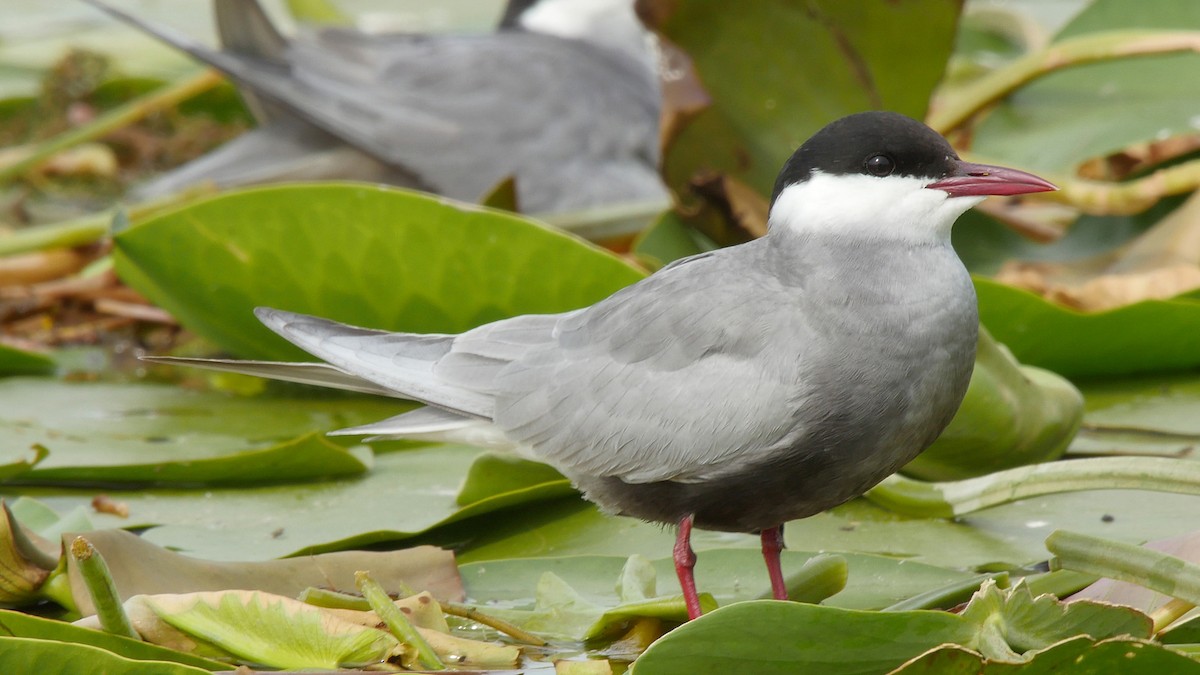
pixel 772 544
pixel 685 560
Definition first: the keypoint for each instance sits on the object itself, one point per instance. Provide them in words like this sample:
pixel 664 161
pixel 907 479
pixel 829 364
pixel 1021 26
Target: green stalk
pixel 391 615
pixel 1059 583
pixel 957 498
pixel 1155 570
pixel 472 614
pixel 102 589
pixel 1169 613
pixel 320 597
pixel 92 227
pixel 955 107
pixel 950 595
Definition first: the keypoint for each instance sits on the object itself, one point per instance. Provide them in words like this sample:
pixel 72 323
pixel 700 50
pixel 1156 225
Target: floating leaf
pixel 1060 120
pixel 15 361
pixel 1079 656
pixel 150 433
pixel 1142 415
pixel 141 568
pixel 17 624
pixel 1153 335
pixel 414 490
pixel 272 630
pixel 728 575
pixel 1013 622
pixel 802 638
pixel 1008 536
pixel 54 657
pixel 1011 416
pixel 366 255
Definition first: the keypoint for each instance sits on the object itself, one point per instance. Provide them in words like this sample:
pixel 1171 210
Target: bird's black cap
pixel 856 143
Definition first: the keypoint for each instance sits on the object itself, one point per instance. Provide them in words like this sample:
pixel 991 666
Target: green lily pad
pixel 1078 656
pixel 1149 336
pixel 728 574
pixel 802 638
pixel 1141 415
pixel 17 624
pixel 15 361
pixel 406 493
pixel 55 657
pixel 1013 622
pixel 365 255
pixel 1003 537
pixel 273 630
pixel 668 240
pixel 1002 625
pixel 139 567
pixel 810 63
pixel 150 433
pixel 1066 117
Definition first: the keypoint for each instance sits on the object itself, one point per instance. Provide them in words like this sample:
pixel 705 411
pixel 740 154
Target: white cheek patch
pixel 895 207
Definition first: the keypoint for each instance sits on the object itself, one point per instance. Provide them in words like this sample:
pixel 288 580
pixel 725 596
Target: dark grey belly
pixel 757 498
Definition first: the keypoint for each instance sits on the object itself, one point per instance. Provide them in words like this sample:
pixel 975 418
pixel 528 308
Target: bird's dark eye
pixel 880 165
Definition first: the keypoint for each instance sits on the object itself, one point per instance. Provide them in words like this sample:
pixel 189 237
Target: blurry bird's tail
pixel 245 31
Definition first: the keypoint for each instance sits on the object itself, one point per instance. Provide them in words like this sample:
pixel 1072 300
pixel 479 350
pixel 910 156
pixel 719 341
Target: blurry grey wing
pixel 553 112
pixel 318 374
pixel 287 150
pixel 656 383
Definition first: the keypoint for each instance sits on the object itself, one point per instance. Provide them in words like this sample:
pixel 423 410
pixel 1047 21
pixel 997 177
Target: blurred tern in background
pixel 564 97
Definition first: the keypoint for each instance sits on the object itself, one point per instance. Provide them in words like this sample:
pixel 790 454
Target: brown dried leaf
pixel 1161 263
pixel 737 202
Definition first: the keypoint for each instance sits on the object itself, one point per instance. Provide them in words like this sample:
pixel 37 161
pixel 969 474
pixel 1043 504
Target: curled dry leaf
pixel 102 503
pixel 737 202
pixel 1161 263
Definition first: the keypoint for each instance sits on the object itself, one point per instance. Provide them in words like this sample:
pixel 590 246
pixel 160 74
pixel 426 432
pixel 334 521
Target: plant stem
pixel 1170 613
pixel 951 499
pixel 472 614
pixel 1155 570
pixel 114 119
pixel 100 586
pixel 949 595
pixel 1128 197
pixel 90 228
pixel 396 622
pixel 955 107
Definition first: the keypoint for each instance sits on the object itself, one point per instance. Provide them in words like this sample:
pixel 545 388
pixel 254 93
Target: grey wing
pixel 674 379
